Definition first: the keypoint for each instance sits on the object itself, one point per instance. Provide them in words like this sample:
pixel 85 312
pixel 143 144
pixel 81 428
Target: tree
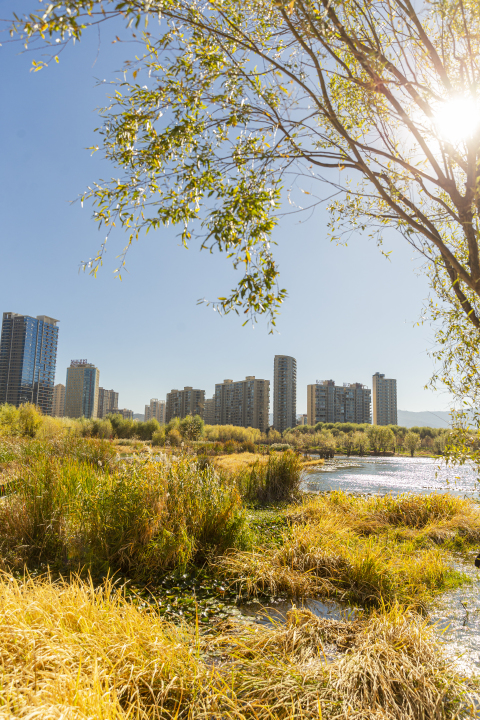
pixel 386 439
pixel 360 441
pixel 412 442
pixel 247 102
pixel 375 438
pixel 191 427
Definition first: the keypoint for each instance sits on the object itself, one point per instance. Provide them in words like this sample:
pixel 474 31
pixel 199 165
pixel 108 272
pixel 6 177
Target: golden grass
pixel 72 652
pixel 238 461
pixel 439 517
pixel 371 551
pixel 312 463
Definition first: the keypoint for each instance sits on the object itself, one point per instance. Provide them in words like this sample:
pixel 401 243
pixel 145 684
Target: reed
pixel 277 480
pixel 142 518
pixel 69 650
pixel 369 551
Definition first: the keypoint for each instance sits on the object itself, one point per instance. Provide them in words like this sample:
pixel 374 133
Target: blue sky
pixel 350 312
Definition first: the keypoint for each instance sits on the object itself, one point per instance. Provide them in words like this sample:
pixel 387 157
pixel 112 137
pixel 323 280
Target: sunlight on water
pixel 394 475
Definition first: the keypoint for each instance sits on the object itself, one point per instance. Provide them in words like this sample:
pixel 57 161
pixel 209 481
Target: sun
pixel 457 120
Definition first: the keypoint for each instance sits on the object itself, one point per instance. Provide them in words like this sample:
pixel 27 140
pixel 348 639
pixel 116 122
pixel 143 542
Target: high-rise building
pixel 181 403
pixel 209 416
pixel 327 402
pixel 384 400
pixel 284 392
pixel 244 403
pixel 107 402
pixel 59 400
pixel 156 410
pixel 126 414
pixel 28 355
pixel 81 391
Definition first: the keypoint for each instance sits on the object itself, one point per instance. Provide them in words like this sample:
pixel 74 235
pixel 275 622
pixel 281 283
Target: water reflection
pixel 395 475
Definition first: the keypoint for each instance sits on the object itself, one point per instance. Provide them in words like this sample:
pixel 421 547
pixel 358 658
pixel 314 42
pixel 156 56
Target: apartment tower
pixel 81 391
pixel 107 402
pixel 384 400
pixel 245 403
pixel 156 410
pixel 181 403
pixel 59 400
pixel 330 403
pixel 125 413
pixel 209 415
pixel 28 356
pixel 284 392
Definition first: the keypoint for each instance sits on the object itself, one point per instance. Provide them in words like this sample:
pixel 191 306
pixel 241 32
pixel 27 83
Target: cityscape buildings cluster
pixel 28 354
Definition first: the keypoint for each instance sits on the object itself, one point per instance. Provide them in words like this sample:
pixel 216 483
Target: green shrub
pixel 231 432
pixel 277 480
pixel 146 430
pixel 158 437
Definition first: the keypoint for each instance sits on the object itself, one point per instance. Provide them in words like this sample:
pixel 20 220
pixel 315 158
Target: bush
pixel 158 437
pixel 146 430
pixel 277 480
pixel 174 437
pixel 231 432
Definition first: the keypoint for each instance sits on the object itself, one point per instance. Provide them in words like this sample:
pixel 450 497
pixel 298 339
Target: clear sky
pixel 350 312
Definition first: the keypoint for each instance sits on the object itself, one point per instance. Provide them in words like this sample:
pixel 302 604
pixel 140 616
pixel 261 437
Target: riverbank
pixel 188 545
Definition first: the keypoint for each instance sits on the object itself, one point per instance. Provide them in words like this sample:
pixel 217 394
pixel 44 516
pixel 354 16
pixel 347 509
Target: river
pixel 381 475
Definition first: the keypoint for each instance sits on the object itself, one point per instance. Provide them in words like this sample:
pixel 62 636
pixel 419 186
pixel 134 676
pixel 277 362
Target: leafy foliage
pixel 242 98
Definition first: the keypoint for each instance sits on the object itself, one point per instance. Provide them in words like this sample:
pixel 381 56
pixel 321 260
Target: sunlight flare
pixel 457 120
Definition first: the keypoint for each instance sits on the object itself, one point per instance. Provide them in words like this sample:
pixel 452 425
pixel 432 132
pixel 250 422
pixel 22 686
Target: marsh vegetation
pixel 122 577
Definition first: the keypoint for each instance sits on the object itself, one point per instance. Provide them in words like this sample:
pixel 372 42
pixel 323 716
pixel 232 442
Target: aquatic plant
pixel 371 551
pixel 277 480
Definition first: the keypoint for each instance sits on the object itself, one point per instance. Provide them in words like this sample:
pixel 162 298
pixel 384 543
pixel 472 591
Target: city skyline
pixel 370 324
pixel 245 403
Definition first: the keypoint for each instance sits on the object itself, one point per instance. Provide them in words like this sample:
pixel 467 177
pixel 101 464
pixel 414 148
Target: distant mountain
pixel 139 416
pixel 426 418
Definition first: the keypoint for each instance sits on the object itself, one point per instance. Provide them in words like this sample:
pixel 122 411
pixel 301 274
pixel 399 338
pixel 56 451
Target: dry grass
pixel 69 651
pixel 442 518
pixel 370 551
pixel 234 462
pixel 238 461
pixel 312 463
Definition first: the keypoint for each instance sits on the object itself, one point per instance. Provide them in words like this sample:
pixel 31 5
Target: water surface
pixel 381 475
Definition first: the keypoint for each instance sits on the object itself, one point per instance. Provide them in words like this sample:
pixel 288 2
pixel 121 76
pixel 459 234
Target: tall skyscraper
pixel 156 410
pixel 107 402
pixel 81 391
pixel 384 400
pixel 28 356
pixel 244 403
pixel 59 400
pixel 327 402
pixel 284 392
pixel 181 403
